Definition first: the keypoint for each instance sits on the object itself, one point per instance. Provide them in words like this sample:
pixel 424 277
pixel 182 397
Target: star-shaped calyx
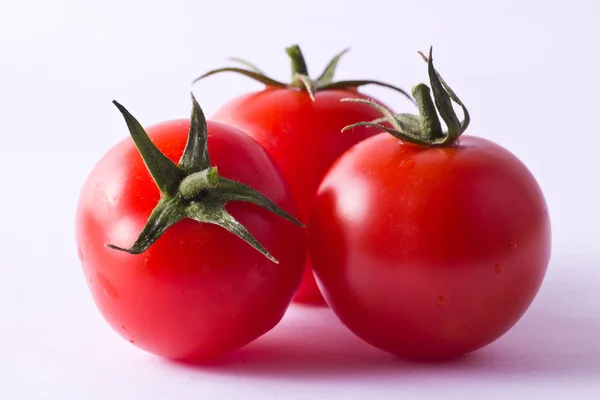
pixel 192 188
pixel 424 129
pixel 300 77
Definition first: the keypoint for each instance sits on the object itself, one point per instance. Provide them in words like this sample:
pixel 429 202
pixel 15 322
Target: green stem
pixel 192 186
pixel 192 189
pixel 300 77
pixel 430 122
pixel 298 63
pixel 426 128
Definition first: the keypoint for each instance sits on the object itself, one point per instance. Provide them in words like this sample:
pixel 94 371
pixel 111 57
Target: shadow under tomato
pixel 309 342
pixel 560 334
pixel 557 337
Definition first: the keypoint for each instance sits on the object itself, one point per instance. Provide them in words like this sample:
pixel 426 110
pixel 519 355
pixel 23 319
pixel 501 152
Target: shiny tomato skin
pixel 304 137
pixel 429 253
pixel 199 291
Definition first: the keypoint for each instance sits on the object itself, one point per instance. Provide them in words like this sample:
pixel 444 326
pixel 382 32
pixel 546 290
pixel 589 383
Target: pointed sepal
pixel 354 84
pixel 425 129
pixel 442 100
pixel 217 214
pixel 257 76
pixel 300 77
pixel 467 117
pixel 399 129
pixel 230 190
pixel 166 173
pixel 304 82
pixel 247 64
pixel 329 72
pixel 193 189
pixel 195 157
pixel 167 213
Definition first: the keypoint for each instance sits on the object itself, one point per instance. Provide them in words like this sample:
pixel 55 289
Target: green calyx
pixel 192 188
pixel 426 128
pixel 300 77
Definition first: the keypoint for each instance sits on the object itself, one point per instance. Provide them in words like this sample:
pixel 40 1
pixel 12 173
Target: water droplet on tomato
pixel 498 268
pixel 107 287
pixel 79 253
pixel 407 164
pixel 123 327
pixel 512 245
pixel 131 341
pixel 441 301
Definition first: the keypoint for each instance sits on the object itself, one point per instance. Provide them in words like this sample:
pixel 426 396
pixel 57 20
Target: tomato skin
pixel 429 253
pixel 199 291
pixel 304 137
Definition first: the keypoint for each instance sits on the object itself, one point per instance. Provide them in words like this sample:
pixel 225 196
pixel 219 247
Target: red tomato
pixel 301 134
pixel 429 252
pixel 198 291
pixel 304 138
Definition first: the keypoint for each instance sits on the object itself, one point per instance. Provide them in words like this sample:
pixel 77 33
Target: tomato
pixel 429 251
pixel 198 291
pixel 299 126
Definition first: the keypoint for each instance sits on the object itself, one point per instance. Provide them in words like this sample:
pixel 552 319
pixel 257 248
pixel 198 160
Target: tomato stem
pixel 431 127
pixel 297 58
pixel 424 129
pixel 300 77
pixel 193 188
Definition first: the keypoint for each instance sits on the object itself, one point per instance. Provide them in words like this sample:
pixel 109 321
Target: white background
pixel 528 71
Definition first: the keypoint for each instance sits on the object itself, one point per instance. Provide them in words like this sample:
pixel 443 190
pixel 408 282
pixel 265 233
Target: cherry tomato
pixel 432 250
pixel 300 128
pixel 199 291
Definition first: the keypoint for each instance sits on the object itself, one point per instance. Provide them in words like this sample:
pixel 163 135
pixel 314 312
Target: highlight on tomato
pixel 429 244
pixel 183 260
pixel 299 125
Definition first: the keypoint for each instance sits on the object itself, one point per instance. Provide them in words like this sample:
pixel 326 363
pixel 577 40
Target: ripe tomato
pixel 299 125
pixel 199 291
pixel 431 250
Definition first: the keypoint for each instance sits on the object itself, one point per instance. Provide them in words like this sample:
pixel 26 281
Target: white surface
pixel 528 71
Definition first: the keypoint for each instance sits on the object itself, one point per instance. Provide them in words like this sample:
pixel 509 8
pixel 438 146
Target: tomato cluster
pixel 425 242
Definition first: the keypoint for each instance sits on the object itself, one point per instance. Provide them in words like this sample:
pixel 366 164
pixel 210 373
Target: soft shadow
pixel 559 336
pixel 309 342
